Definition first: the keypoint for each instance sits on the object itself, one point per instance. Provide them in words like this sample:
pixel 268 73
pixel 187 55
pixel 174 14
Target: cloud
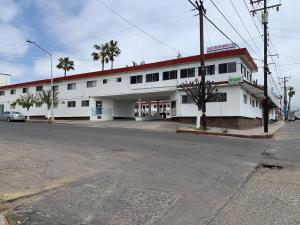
pixel 9 10
pixel 70 28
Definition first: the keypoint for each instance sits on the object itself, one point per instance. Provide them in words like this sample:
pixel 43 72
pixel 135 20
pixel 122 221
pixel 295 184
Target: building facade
pixel 149 91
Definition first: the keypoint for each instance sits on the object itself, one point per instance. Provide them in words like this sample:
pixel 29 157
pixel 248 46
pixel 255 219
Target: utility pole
pixel 198 5
pixel 265 21
pixel 285 80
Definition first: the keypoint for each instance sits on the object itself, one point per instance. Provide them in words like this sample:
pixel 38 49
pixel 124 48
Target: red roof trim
pixel 190 59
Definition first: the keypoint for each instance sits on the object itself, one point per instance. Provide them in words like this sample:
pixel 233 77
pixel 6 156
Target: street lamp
pixel 52 120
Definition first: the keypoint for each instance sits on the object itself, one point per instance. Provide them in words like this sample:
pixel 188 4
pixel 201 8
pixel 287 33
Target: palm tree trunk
pixel 65 72
pixel 112 64
pixel 289 107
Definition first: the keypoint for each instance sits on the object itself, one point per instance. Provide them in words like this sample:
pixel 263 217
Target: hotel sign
pixel 234 80
pixel 218 48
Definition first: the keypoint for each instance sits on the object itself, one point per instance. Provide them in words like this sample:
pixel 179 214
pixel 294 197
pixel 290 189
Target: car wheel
pixel 8 119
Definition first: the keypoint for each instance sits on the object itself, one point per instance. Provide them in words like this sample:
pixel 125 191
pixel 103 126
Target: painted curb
pixel 3 221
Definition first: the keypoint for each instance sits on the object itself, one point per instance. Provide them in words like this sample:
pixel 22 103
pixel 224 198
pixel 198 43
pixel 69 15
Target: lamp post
pixel 52 120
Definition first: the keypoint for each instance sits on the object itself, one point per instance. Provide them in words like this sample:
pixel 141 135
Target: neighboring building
pixel 4 79
pixel 123 92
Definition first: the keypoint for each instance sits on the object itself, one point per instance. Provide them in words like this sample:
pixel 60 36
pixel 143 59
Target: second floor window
pixel 72 86
pixel 25 90
pixel 2 93
pixel 152 77
pixel 55 88
pixel 185 73
pixel 136 79
pixel 13 91
pixel 39 88
pixel 227 67
pixel 170 75
pixel 91 84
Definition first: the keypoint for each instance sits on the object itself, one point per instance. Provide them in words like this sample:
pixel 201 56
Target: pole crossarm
pixel 269 7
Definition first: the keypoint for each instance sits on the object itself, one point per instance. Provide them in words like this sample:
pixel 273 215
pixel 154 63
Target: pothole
pixel 269 166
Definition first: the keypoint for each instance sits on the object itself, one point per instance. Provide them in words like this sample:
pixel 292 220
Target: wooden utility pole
pixel 265 21
pixel 200 8
pixel 285 102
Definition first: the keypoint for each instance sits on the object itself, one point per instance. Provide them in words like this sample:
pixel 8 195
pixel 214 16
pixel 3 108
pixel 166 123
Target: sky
pixel 70 28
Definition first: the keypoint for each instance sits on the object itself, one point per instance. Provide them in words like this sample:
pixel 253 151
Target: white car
pixel 12 116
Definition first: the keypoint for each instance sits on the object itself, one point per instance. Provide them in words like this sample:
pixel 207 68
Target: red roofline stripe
pixel 190 59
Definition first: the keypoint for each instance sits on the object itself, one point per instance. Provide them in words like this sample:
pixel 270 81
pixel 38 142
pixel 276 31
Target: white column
pixel 140 107
pixel 149 113
pixel 157 107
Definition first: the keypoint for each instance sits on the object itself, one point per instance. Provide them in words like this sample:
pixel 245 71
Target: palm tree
pixel 26 101
pixel 66 64
pixel 113 51
pixel 101 54
pixel 291 93
pixel 45 96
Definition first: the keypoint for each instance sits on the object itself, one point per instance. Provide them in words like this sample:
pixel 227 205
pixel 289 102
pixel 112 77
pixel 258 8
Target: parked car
pixel 12 116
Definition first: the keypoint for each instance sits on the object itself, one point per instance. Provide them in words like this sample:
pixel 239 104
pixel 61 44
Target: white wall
pixel 123 108
pixel 213 109
pixel 247 109
pixel 106 93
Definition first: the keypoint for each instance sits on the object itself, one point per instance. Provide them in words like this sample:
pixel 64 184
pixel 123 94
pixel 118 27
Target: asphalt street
pixel 64 174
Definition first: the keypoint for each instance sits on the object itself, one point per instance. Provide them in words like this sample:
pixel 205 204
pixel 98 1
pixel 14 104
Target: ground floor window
pixel 218 97
pixel 187 99
pixel 245 99
pixel 85 103
pixel 71 104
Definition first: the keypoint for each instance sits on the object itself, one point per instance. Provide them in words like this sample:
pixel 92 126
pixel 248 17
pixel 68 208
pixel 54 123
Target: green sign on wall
pixel 234 80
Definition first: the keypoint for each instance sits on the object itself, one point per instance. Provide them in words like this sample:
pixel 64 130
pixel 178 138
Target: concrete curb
pixel 208 133
pixel 211 133
pixel 3 220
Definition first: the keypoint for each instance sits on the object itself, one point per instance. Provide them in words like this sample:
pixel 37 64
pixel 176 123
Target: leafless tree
pixel 194 89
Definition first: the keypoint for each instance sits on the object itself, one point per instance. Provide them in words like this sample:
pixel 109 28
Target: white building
pixel 113 94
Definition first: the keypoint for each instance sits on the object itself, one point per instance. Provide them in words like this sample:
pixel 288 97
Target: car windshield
pixel 16 113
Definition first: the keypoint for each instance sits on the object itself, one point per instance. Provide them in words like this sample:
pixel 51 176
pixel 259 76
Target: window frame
pixel 69 104
pixel 187 99
pixel 218 97
pixel 39 88
pixel 13 91
pixel 85 105
pixel 170 75
pixel 154 77
pixel 91 84
pixel 187 72
pixel 70 86
pixel 136 79
pixel 229 67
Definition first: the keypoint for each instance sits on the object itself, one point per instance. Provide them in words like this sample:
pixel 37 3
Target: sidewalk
pixel 250 133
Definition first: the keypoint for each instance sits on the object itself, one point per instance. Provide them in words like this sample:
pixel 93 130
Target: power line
pixel 221 31
pixel 245 27
pixel 137 27
pixel 238 33
pixel 258 30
